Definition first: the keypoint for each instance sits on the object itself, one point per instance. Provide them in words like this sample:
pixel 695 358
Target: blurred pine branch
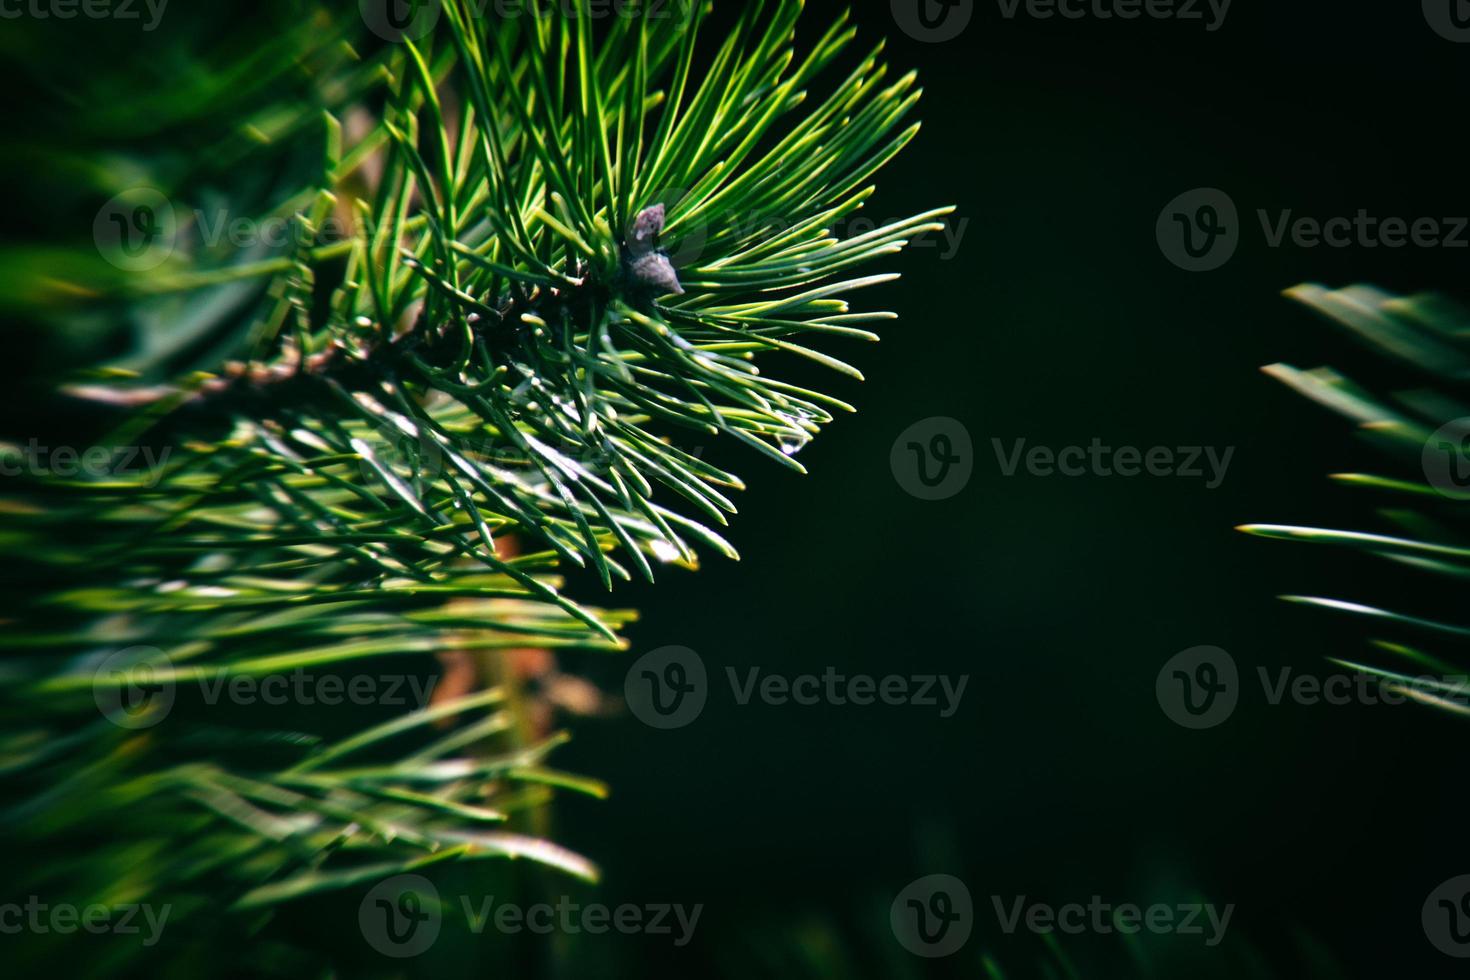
pixel 1422 429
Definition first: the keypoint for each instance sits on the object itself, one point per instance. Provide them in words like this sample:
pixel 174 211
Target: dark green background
pixel 1059 320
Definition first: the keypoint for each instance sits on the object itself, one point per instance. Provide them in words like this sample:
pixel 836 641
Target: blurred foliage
pixel 1422 428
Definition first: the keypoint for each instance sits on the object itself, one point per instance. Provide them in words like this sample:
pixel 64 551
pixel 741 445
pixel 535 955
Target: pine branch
pixel 573 246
